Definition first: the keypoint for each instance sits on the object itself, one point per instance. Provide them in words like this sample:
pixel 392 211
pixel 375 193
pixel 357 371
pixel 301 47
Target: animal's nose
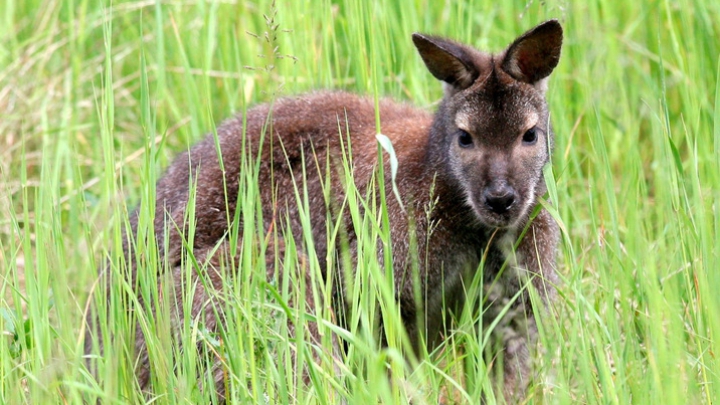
pixel 499 199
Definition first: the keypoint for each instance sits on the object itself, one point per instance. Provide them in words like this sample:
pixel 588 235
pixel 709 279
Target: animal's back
pixel 291 140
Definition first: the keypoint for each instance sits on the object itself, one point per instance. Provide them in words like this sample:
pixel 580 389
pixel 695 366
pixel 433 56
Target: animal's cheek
pixel 531 160
pixel 517 171
pixel 526 176
pixel 474 171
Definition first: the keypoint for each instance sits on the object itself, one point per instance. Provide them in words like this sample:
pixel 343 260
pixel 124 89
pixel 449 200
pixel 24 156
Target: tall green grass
pixel 96 98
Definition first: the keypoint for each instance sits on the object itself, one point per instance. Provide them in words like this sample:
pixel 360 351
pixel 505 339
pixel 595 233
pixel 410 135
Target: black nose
pixel 499 199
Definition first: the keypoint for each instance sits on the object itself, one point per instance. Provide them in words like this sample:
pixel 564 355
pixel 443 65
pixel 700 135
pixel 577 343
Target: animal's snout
pixel 499 199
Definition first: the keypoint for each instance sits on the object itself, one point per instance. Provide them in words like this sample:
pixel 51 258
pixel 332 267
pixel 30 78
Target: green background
pixel 97 97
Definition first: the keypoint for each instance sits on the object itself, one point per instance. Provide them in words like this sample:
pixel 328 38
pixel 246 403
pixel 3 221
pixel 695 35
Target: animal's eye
pixel 530 136
pixel 464 139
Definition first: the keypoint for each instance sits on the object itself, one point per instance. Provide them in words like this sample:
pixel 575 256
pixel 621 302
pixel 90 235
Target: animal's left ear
pixel 534 55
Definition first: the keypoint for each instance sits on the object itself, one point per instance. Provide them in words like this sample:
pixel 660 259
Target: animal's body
pixel 469 176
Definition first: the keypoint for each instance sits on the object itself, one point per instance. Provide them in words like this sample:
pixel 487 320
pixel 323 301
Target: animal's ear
pixel 534 55
pixel 446 60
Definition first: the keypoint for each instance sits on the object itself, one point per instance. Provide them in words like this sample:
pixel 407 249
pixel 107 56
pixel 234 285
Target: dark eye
pixel 464 139
pixel 530 136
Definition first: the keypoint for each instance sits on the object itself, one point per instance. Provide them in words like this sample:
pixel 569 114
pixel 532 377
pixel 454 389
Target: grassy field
pixel 97 97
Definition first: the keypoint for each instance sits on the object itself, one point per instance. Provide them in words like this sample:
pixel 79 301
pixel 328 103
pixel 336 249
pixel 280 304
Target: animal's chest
pixel 467 271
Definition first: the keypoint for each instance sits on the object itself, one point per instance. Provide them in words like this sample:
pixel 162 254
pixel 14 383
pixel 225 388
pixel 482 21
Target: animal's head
pixel 491 135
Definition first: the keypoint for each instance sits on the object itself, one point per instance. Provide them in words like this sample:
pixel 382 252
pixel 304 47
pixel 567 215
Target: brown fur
pixel 445 186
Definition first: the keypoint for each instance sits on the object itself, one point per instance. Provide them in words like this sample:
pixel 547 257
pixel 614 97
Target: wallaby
pixel 477 163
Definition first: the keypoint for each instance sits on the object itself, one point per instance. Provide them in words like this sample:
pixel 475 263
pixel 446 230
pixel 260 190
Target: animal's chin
pixel 494 220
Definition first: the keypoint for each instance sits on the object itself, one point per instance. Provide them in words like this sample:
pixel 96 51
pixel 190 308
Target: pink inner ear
pixel 534 55
pixel 527 60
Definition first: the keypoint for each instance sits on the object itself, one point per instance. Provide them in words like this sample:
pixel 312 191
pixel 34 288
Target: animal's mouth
pixel 490 219
pixel 499 218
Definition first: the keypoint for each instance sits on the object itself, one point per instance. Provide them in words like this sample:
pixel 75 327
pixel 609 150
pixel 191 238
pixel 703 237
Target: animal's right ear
pixel 446 60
